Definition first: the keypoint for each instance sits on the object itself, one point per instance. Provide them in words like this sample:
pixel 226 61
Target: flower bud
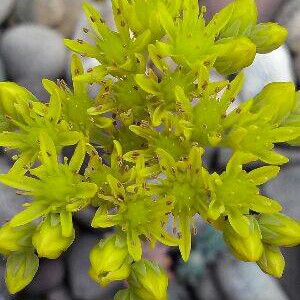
pixel 243 19
pixel 10 92
pixel 148 281
pixel 125 295
pixel 246 249
pixel 268 37
pixel 280 96
pixel 15 238
pixel 48 239
pixel 279 230
pixel 110 260
pixel 272 261
pixel 237 53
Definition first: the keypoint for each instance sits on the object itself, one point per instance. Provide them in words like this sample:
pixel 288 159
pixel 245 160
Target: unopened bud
pixel 148 281
pixel 272 261
pixel 238 53
pixel 15 238
pixel 48 239
pixel 10 92
pixel 246 249
pixel 110 260
pixel 279 230
pixel 280 97
pixel 268 37
pixel 243 19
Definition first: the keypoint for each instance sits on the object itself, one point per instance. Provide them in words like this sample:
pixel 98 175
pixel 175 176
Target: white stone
pixel 245 281
pixel 286 189
pixel 33 50
pixel 266 68
pixel 6 7
pixel 10 202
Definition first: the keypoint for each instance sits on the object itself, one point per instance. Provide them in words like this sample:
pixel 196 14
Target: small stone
pixel 72 11
pixel 49 13
pixel 297 66
pixel 6 7
pixel 10 202
pixel 49 276
pixel 2 71
pixel 33 50
pixel 205 288
pixel 266 68
pixel 290 279
pixel 34 85
pixel 59 293
pixel 240 280
pixel 82 286
pixel 3 290
pixel 289 17
pixel 177 291
pixel 85 216
pixel 59 14
pixel 285 188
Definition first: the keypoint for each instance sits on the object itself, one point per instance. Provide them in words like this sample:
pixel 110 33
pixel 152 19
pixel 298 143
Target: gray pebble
pixel 59 14
pixel 33 50
pixel 3 290
pixel 286 189
pixel 10 202
pixel 82 286
pixel 297 66
pixel 206 288
pixel 49 276
pixel 2 71
pixel 34 85
pixel 177 291
pixel 59 293
pixel 289 17
pixel 85 216
pixel 245 281
pixel 290 279
pixel 49 13
pixel 6 7
pixel 73 8
pixel 266 68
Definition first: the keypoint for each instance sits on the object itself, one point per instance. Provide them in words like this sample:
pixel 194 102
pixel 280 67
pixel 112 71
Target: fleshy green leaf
pixel 261 175
pixel 20 270
pixel 34 211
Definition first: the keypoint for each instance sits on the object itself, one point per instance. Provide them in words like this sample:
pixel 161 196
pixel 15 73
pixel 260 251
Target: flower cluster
pixel 139 144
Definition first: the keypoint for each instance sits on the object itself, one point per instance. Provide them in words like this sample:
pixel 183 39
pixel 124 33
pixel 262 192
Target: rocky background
pixel 31 47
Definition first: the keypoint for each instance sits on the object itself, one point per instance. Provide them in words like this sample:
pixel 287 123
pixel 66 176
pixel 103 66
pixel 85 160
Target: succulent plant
pixel 143 136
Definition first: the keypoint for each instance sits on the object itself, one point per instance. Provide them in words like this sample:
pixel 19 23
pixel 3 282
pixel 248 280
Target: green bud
pixel 243 19
pixel 268 36
pixel 237 53
pixel 279 230
pixel 272 261
pixel 279 96
pixel 21 267
pixel 10 92
pixel 110 260
pixel 15 238
pixel 48 239
pixel 246 249
pixel 148 281
pixel 126 294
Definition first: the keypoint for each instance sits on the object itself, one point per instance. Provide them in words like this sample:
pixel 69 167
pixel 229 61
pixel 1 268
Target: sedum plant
pixel 139 145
